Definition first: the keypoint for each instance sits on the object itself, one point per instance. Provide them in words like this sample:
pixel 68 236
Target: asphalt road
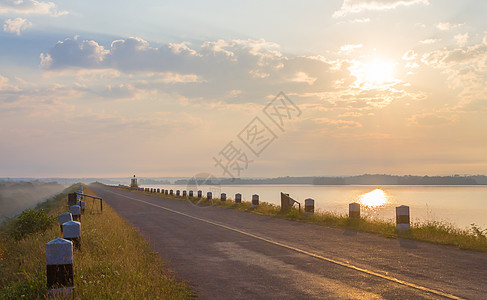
pixel 228 254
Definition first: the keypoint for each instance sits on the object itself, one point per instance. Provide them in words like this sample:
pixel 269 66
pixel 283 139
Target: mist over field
pixel 17 196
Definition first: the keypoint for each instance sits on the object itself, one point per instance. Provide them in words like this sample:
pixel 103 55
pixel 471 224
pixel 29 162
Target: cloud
pixel 461 39
pixel 16 25
pixel 429 41
pixel 430 120
pixel 28 7
pixel 410 55
pixel 356 6
pixel 447 26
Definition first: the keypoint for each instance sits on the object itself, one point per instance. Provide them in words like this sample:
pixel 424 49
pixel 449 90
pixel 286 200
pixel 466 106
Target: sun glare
pixel 373 74
pixel 374 198
pixel 379 72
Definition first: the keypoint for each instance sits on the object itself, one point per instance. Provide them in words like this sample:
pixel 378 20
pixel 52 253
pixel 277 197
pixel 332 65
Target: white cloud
pixel 355 6
pixel 447 26
pixel 16 25
pixel 30 7
pixel 347 49
pixel 303 77
pixel 429 41
pixel 461 39
pixel 410 55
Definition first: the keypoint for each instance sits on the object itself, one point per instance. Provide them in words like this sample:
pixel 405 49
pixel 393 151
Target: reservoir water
pixel 460 205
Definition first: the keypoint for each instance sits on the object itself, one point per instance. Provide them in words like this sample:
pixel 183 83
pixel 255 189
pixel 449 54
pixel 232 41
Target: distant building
pixel 133 182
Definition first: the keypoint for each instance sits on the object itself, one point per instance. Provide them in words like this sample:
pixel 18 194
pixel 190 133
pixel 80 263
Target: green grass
pixel 114 260
pixel 437 232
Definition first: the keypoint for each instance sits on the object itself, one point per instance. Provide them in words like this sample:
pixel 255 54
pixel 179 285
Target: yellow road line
pixel 331 260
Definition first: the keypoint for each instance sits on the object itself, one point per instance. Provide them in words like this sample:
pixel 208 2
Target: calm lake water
pixel 460 205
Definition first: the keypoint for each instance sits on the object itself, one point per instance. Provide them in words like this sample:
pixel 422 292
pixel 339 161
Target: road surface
pixel 229 254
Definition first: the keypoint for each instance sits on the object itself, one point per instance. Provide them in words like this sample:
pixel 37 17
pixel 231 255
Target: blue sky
pixel 162 88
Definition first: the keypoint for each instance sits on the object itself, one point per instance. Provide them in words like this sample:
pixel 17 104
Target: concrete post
pixel 82 207
pixel 76 212
pixel 223 197
pixel 72 198
pixel 209 196
pixel 402 218
pixel 59 265
pixel 72 232
pixel 238 198
pixel 178 193
pixel 255 200
pixel 354 210
pixel 190 194
pixel 63 218
pixel 309 206
pixel 200 194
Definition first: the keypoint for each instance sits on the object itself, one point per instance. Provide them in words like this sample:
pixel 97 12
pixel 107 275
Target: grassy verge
pixel 436 232
pixel 114 260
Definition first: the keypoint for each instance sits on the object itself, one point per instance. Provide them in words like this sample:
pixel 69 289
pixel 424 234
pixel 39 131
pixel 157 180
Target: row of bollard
pixel 402 212
pixel 59 252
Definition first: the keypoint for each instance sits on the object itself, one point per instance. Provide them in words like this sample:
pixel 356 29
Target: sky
pixel 242 88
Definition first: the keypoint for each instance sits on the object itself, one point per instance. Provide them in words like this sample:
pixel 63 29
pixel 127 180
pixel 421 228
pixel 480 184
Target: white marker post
pixel 72 232
pixel 223 197
pixel 209 196
pixel 63 218
pixel 354 210
pixel 309 206
pixel 255 201
pixel 402 218
pixel 76 212
pixel 238 198
pixel 59 265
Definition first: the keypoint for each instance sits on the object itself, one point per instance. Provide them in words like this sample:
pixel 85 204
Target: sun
pixel 379 72
pixel 374 74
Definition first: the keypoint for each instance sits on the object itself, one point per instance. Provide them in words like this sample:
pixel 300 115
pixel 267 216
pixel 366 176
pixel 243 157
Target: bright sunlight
pixel 374 198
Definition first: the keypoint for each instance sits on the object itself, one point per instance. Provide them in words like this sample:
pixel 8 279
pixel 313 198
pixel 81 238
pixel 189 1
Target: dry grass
pixel 114 262
pixel 436 232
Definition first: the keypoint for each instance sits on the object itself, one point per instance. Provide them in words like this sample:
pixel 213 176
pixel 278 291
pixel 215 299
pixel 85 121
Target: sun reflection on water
pixel 374 198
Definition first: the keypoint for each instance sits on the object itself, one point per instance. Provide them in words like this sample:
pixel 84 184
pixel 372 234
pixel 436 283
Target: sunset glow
pixel 374 198
pixel 377 87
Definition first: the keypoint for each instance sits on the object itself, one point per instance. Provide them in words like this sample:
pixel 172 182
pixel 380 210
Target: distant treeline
pixel 366 179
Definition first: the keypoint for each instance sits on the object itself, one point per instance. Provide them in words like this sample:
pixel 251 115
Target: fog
pixel 17 196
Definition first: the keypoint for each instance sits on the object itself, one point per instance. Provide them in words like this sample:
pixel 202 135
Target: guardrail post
pixel 402 218
pixel 178 193
pixel 190 194
pixel 200 194
pixel 309 206
pixel 72 232
pixel 223 197
pixel 76 212
pixel 209 195
pixel 354 210
pixel 238 198
pixel 255 200
pixel 184 193
pixel 171 192
pixel 63 218
pixel 59 265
